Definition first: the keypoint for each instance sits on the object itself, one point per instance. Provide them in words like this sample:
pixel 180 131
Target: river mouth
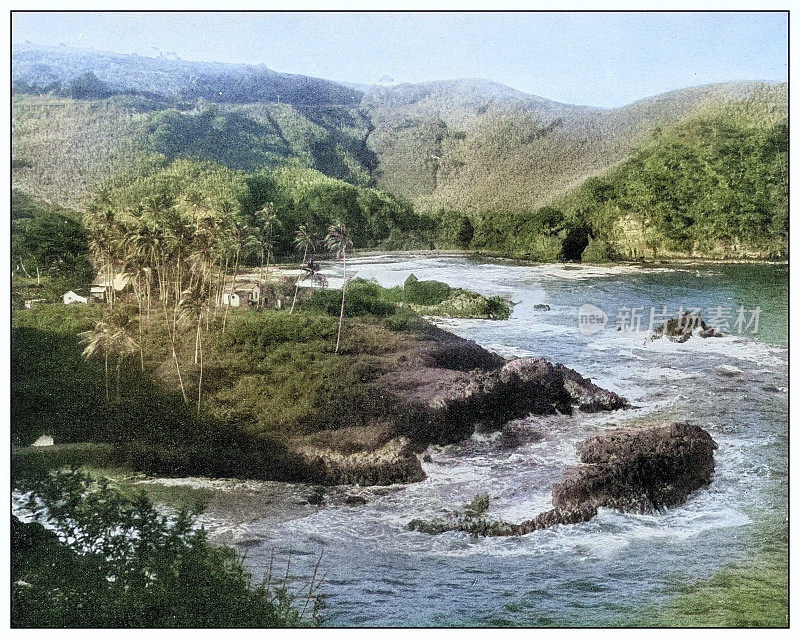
pixel 603 572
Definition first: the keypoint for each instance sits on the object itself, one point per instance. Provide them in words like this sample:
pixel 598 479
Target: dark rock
pixel 680 329
pixel 541 307
pixel 355 500
pixel 317 497
pixel 637 470
pixel 589 397
pixel 439 388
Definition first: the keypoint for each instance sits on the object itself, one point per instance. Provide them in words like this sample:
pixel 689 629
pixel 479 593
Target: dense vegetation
pixel 49 249
pixel 715 185
pixel 479 147
pixel 93 558
pixel 424 297
pixel 480 159
pixel 206 193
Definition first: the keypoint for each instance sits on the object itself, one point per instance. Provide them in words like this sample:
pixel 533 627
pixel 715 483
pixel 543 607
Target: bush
pixel 453 230
pixel 258 330
pixel 362 298
pixel 598 251
pixel 108 561
pixel 426 293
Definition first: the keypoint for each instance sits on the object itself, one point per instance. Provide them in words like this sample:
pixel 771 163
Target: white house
pixel 71 297
pixel 103 284
pixel 245 294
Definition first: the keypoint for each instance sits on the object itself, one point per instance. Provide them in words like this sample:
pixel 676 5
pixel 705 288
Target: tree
pixel 453 230
pixel 109 338
pixel 104 560
pixel 266 221
pixel 338 240
pixel 56 243
pixel 304 242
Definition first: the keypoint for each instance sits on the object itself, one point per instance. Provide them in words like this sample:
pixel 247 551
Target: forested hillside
pixel 698 171
pixel 713 185
pixel 476 146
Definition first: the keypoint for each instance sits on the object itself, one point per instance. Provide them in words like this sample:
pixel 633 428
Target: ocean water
pixel 611 569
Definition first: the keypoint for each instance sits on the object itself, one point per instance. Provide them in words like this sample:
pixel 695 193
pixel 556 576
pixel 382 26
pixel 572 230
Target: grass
pixel 100 461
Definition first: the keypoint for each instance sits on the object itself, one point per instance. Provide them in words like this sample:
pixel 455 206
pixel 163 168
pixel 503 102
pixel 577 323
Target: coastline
pixel 506 259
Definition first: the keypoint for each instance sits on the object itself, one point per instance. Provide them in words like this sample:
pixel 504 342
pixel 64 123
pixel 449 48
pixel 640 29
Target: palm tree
pixel 304 241
pixel 108 339
pixel 244 242
pixel 192 307
pixel 266 221
pixel 338 240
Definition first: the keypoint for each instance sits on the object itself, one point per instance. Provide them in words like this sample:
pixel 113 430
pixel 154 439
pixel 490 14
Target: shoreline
pixel 421 253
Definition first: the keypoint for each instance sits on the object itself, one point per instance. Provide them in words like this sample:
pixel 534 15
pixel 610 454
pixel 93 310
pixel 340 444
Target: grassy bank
pixel 256 382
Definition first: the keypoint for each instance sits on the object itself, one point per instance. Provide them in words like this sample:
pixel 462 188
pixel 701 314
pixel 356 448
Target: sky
pixel 600 59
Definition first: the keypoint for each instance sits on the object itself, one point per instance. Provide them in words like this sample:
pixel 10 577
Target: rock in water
pixel 637 470
pixel 680 329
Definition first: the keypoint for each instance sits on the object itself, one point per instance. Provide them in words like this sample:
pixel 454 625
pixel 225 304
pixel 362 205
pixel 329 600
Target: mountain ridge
pixel 470 146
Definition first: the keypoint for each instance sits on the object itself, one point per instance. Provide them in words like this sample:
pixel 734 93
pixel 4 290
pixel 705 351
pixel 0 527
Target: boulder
pixel 680 329
pixel 640 470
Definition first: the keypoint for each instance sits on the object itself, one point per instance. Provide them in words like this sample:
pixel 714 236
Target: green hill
pixel 475 146
pixel 487 161
pixel 713 185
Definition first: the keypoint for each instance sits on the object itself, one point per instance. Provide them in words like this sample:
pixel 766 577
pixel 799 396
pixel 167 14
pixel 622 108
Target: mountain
pixel 90 74
pixel 471 147
pixel 78 116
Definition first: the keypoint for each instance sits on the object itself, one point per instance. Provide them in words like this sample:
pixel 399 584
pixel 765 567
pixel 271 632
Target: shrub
pixel 453 230
pixel 254 329
pixel 425 293
pixel 110 561
pixel 363 298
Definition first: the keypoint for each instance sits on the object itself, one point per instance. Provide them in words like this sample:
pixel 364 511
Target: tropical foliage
pixel 92 557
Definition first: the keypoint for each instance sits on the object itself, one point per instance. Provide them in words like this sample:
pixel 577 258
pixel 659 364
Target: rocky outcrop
pixel 440 390
pixel 680 329
pixel 589 397
pixel 638 470
pixel 392 463
pixel 440 400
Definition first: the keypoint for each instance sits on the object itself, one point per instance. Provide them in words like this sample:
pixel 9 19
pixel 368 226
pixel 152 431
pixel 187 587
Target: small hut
pixel 244 294
pixel 71 297
pixel 103 285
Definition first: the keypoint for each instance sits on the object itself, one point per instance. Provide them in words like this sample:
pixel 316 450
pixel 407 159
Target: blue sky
pixel 602 59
